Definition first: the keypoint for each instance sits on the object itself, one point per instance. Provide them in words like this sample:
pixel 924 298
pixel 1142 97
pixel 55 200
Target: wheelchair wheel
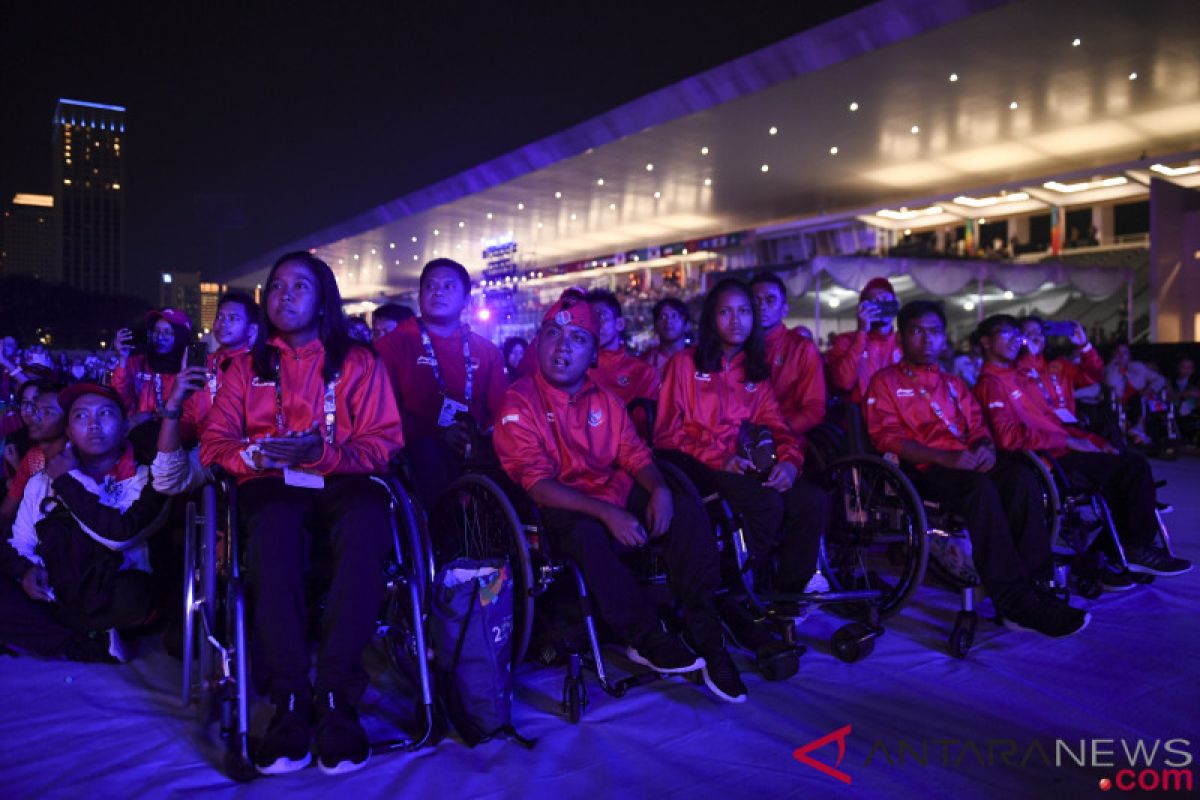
pixel 1051 491
pixel 408 579
pixel 877 537
pixel 199 590
pixel 475 519
pixel 826 443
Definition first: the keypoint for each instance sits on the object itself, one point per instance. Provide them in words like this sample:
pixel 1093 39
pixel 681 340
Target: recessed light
pixel 708 181
pixel 612 206
pixel 915 129
pixel 657 195
pixel 908 231
pixel 600 181
pixel 1008 295
pixel 489 216
pixel 435 252
pixel 1013 105
pixel 765 168
pixel 341 261
pixel 392 245
pixel 356 256
pixel 462 224
pixel 1133 76
pixel 414 256
pixel 381 267
pixel 772 130
pixel 372 251
pixel 834 302
pixel 954 77
pixel 833 151
pixel 574 215
pixel 558 195
pixel 703 151
pixel 414 240
pixel 983 220
pixel 854 106
pixel 649 168
pixel 1076 42
pixel 436 232
pixel 520 206
pixel 539 225
pixel 397 262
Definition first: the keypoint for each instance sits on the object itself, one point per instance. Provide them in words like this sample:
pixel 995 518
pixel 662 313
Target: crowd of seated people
pixel 301 407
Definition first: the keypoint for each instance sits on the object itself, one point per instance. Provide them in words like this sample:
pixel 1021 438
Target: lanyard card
pixel 1066 416
pixel 302 479
pixel 449 412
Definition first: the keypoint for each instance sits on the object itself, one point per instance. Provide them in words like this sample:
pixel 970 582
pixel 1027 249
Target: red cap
pixel 171 315
pixel 573 309
pixel 876 283
pixel 69 395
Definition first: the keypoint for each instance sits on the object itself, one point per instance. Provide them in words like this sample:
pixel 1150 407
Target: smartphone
pixel 197 355
pixel 1059 328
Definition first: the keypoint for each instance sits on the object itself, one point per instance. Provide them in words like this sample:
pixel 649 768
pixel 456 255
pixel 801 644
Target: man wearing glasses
pixel 47 430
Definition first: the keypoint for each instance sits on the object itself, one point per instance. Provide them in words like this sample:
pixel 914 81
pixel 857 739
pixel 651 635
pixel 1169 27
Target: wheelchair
pixel 215 655
pixel 1080 525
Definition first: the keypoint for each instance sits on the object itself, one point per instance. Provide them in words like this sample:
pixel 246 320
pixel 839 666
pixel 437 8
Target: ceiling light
pixel 908 231
pixel 520 206
pixel 392 245
pixel 1174 172
pixel 372 251
pixel 558 195
pixel 908 213
pixel 356 256
pixel 915 129
pixel 953 77
pixel 833 151
pixel 1008 295
pixel 573 216
pixel 539 225
pixel 436 232
pixel 435 252
pixel 968 305
pixel 854 106
pixel 612 206
pixel 414 256
pixel 708 181
pixel 381 267
pixel 1013 105
pixel 772 130
pixel 649 168
pixel 765 167
pixel 414 240
pixel 489 215
pixel 1076 42
pixel 983 202
pixel 340 261
pixel 1133 76
pixel 982 221
pixel 703 151
pixel 462 224
pixel 397 262
pixel 600 181
pixel 657 195
pixel 834 302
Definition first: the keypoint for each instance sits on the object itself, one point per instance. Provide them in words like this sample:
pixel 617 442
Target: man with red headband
pixel 81 564
pixel 572 446
pixel 856 357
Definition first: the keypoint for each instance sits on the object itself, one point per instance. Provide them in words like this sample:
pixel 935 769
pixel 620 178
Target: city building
pixel 89 194
pixel 27 238
pixel 1000 155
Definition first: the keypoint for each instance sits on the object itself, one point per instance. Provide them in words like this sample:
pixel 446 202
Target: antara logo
pixel 801 754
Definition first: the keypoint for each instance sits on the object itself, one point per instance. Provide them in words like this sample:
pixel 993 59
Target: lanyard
pixel 1062 401
pixel 329 404
pixel 431 357
pixel 158 401
pixel 936 406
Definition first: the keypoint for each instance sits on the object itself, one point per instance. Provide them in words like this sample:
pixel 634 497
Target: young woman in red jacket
pixel 708 392
pixel 301 421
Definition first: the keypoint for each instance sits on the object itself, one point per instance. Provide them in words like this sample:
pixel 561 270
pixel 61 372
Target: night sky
pixel 274 121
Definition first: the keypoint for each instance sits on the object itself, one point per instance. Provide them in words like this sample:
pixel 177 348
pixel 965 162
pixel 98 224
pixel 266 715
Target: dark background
pixel 257 124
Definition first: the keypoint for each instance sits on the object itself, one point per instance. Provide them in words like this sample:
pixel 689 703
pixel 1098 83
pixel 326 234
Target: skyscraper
pixel 28 243
pixel 89 194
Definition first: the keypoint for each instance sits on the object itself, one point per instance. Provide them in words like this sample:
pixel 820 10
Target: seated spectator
pixel 1184 392
pixel 1132 382
pixel 301 422
pixel 1021 419
pixel 514 351
pixel 448 381
pixel 967 365
pixel 856 357
pixel 1058 379
pixel 709 393
pixel 145 380
pixel 358 329
pixel 617 370
pixel 47 429
pixel 672 324
pixel 78 546
pixel 797 375
pixel 933 424
pixel 235 328
pixel 385 318
pixel 572 446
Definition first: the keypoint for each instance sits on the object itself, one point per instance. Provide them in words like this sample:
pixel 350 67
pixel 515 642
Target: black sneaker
pixel 1052 618
pixel 288 743
pixel 342 744
pixel 664 653
pixel 1116 581
pixel 721 676
pixel 1147 560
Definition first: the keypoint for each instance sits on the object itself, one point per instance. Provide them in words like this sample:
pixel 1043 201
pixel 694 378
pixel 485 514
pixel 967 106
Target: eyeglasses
pixel 38 412
pixel 1010 333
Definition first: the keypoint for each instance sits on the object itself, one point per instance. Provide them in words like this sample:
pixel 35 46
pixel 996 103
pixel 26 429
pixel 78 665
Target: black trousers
pixel 1005 516
pixel 1126 483
pixel 690 552
pixel 787 525
pixel 433 466
pixel 281 523
pixel 47 629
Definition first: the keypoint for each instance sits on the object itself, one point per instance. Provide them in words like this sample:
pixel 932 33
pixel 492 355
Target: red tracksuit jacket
pixel 856 357
pixel 586 442
pixel 701 413
pixel 417 393
pixel 797 378
pixel 896 411
pixel 368 429
pixel 626 376
pixel 1061 377
pixel 1019 415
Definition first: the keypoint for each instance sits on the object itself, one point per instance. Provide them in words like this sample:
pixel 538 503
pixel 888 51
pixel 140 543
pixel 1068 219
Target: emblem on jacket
pixel 751 387
pixel 563 317
pixel 622 380
pixel 595 418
